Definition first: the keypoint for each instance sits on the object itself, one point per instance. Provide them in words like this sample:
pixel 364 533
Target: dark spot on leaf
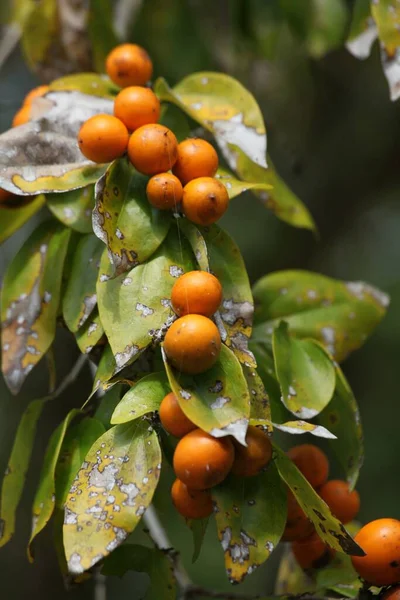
pixel 319 515
pixel 322 527
pixel 333 418
pixel 116 191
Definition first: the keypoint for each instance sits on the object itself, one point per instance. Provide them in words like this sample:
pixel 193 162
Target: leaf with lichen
pixel 305 373
pixel 144 397
pixel 110 494
pixel 89 336
pixel 328 527
pixel 218 400
pixel 80 294
pixel 135 307
pixel 15 212
pixel 29 301
pixel 123 218
pixel 341 315
pixel 260 409
pixel 73 208
pixel 386 14
pixel 42 156
pixel 224 107
pixel 236 310
pixel 363 31
pixel 299 427
pixel 342 417
pixel 251 516
pixel 44 501
pixel 235 186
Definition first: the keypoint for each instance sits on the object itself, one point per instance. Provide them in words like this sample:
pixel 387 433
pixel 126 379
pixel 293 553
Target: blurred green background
pixel 334 136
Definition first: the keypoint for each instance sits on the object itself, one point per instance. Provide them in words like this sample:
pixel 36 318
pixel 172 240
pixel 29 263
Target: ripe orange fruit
pixel 251 459
pixel 5 195
pixel 392 594
pixel 103 138
pixel 205 200
pixel 22 116
pixel 202 461
pixel 192 344
pixel 343 503
pixel 129 64
pixel 191 504
pixel 164 191
pixel 152 149
pixel 298 526
pixel 38 91
pixel 311 553
pixel 312 463
pixel 380 540
pixel 137 106
pixel 173 418
pixel 196 158
pixel 196 292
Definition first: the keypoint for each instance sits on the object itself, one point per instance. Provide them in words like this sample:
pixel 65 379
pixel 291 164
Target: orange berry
pixel 344 504
pixel 191 504
pixel 164 191
pixel 129 64
pixel 35 93
pixel 173 418
pixel 137 106
pixel 311 553
pixel 196 292
pixel 205 200
pixel 192 344
pixel 22 116
pixel 103 138
pixel 196 158
pixel 202 461
pixel 152 149
pixel 380 540
pixel 392 594
pixel 311 462
pixel 298 526
pixel 251 459
pixel 5 196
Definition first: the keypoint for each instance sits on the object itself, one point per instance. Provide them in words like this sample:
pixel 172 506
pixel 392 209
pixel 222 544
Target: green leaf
pixel 80 295
pixel 341 315
pixel 236 310
pixel 291 579
pixel 144 397
pixel 260 409
pixel 299 427
pixel 44 501
pixel 73 208
pixel 42 156
pixel 107 405
pixel 135 307
pixel 386 14
pixel 113 488
pixel 173 118
pixel 251 516
pixel 225 108
pixel 305 373
pixel 39 28
pixel 154 562
pixel 124 220
pixel 218 400
pixel 106 369
pixel 363 31
pixel 339 573
pixel 16 213
pixel 75 447
pixel 17 468
pixel 329 529
pixel 88 336
pixel 87 83
pixel 198 528
pixel 342 417
pixel 266 370
pixel 101 32
pixel 196 241
pixel 235 187
pixel 29 301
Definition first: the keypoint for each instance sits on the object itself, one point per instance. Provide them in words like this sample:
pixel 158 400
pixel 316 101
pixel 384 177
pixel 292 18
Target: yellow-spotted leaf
pixel 43 155
pixel 16 212
pixel 80 295
pixel 218 400
pixel 135 307
pixel 73 208
pixel 143 397
pixel 386 14
pixel 305 373
pixel 299 427
pixel 363 31
pixel 89 336
pixel 235 186
pixel 223 106
pixel 236 310
pixel 30 298
pixel 328 527
pixel 93 84
pixel 251 516
pixel 110 494
pixel 339 314
pixel 124 219
pixel 45 497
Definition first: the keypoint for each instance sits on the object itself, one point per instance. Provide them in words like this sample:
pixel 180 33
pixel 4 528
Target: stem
pixel 100 588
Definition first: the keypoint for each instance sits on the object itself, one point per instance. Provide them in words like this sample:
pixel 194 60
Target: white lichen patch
pixel 146 311
pixel 219 402
pixel 248 139
pixel 175 271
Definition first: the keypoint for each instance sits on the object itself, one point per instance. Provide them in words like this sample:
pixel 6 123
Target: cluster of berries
pixel 153 148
